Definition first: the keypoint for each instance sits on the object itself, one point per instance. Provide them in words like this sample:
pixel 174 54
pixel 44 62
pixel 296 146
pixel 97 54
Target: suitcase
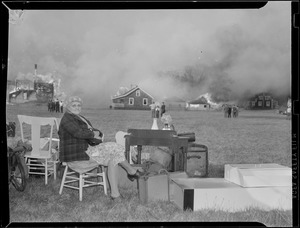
pixel 154 187
pixel 196 161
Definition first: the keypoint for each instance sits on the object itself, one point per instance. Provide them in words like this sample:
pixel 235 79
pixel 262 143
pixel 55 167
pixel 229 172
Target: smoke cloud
pixel 184 53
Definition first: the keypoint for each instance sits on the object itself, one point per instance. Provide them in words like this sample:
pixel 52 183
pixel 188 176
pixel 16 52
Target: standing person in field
pixel 229 111
pixel 57 109
pixel 75 130
pixel 225 109
pixel 152 107
pixel 162 109
pixel 53 105
pixel 234 111
pixel 49 105
pixel 157 110
pixel 61 105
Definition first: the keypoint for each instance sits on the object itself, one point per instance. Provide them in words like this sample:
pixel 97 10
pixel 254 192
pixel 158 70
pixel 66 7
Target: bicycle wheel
pixel 18 178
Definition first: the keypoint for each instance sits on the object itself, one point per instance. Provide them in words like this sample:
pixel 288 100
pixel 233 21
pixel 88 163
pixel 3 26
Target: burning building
pixel 262 101
pixel 203 102
pixel 37 91
pixel 34 87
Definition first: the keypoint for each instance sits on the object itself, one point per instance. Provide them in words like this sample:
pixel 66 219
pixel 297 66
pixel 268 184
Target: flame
pixel 54 79
pixel 207 96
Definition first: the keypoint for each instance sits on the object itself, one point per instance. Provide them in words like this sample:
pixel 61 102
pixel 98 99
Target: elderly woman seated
pixel 74 133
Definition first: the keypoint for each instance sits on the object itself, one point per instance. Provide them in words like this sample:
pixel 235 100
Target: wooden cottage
pixel 10 86
pixel 262 101
pixel 198 104
pixel 22 96
pixel 20 91
pixel 25 91
pixel 135 99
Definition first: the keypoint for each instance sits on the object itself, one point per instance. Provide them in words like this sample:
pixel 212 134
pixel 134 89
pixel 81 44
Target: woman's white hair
pixel 72 99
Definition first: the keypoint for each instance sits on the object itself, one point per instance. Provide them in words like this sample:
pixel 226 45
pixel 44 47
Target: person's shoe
pixel 137 175
pixel 117 199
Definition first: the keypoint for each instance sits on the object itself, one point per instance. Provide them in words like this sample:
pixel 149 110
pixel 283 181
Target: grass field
pixel 253 137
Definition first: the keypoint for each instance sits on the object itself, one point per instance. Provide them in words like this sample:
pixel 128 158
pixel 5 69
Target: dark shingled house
pixel 135 99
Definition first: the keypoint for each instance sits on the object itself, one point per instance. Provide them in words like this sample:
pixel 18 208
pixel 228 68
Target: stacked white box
pixel 264 186
pixel 258 175
pixel 219 194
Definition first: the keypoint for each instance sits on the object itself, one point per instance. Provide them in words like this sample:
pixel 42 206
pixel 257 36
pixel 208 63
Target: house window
pixel 138 93
pixel 267 98
pixel 268 103
pixel 253 103
pixel 260 97
pixel 131 101
pixel 259 103
pixel 145 101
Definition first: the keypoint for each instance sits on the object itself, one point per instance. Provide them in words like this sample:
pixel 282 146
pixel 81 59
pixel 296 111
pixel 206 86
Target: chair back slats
pixel 35 138
pixel 36 123
pixel 57 120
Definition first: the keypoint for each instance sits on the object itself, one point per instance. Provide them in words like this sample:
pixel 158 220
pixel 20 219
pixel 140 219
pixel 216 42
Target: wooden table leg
pixel 127 150
pixel 139 155
pixel 175 160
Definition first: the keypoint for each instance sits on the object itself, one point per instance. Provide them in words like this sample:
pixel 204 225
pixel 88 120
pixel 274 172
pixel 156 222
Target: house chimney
pixel 35 69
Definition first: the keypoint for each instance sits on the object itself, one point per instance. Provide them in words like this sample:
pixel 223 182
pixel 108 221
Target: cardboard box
pixel 154 187
pixel 219 194
pixel 258 175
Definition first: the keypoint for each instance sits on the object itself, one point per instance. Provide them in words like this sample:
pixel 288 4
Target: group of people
pixel 157 110
pixel 230 110
pixel 74 133
pixel 54 105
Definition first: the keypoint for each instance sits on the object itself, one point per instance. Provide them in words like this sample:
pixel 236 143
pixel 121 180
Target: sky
pixel 230 53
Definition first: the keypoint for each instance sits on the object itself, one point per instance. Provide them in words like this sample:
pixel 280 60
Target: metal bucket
pixel 196 160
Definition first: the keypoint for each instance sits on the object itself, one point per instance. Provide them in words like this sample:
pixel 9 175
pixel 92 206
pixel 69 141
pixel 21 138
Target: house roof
pixel 131 91
pixel 201 100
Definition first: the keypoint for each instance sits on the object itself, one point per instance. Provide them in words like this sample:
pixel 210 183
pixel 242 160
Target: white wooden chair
pixel 81 174
pixel 43 158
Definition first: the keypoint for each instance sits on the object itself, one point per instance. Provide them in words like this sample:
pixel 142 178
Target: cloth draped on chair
pixel 106 151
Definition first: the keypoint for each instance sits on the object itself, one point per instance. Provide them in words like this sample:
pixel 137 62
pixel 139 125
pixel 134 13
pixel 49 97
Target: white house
pixel 198 104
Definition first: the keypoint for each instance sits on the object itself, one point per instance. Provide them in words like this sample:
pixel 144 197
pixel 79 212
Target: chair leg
pixel 130 160
pixel 46 171
pixel 104 179
pixel 80 186
pixel 63 180
pixel 82 182
pixel 54 170
pixel 27 162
